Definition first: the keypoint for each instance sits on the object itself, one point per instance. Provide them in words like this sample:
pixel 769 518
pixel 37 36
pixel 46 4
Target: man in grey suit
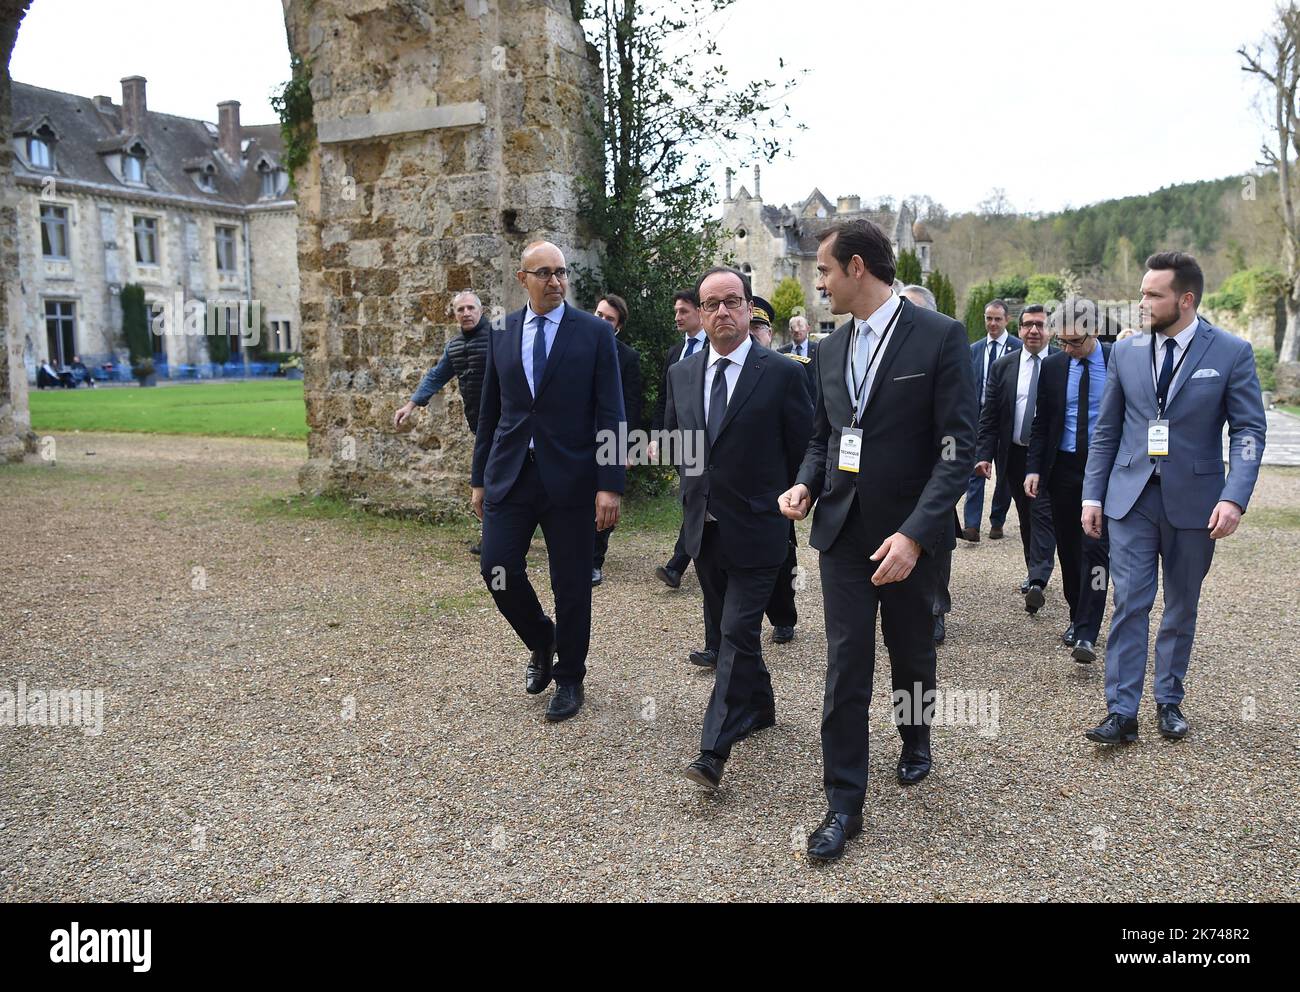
pixel 1156 466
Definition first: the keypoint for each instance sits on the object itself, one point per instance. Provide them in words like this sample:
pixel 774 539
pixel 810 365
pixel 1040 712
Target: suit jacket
pixel 918 433
pixel 1217 384
pixel 1008 344
pixel 629 371
pixel 998 415
pixel 1049 414
pixel 580 396
pixel 809 367
pixel 752 461
pixel 671 357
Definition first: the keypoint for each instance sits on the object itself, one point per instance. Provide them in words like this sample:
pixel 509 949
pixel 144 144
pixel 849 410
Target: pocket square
pixel 1205 374
pixel 915 375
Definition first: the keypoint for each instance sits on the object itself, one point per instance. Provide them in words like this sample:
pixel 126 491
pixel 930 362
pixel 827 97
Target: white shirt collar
pixel 998 340
pixel 697 336
pixel 737 357
pixel 883 314
pixel 553 317
pixel 1183 337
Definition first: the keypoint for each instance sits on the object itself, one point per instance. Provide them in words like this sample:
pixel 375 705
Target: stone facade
pixel 449 135
pixel 16 437
pixel 82 216
pixel 772 243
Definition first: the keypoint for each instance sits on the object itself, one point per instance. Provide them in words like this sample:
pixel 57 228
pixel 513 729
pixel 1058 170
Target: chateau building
pixel 110 194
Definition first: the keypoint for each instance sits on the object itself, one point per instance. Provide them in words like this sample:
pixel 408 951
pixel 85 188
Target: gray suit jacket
pixel 1216 384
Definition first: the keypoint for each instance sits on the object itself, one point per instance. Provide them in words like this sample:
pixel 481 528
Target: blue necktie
pixel 539 354
pixel 1166 374
pixel 1082 408
pixel 691 344
pixel 993 357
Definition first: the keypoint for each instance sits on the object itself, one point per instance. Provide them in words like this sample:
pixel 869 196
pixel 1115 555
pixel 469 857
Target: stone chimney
pixel 729 173
pixel 133 106
pixel 848 204
pixel 229 137
pixel 102 102
pixel 758 195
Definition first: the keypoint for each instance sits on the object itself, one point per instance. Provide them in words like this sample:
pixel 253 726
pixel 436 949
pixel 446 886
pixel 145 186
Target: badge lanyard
pixel 1162 403
pixel 859 390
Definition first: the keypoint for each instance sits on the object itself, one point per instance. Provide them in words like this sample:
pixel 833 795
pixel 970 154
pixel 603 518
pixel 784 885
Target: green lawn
pixel 227 409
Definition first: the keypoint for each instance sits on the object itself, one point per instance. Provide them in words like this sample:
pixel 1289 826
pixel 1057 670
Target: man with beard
pixel 1155 470
pixel 892 447
pixel 464 358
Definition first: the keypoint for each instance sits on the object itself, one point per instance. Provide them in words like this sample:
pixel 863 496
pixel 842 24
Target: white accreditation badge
pixel 851 449
pixel 1157 437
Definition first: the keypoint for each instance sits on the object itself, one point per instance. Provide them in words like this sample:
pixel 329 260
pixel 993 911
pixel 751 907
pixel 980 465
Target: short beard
pixel 1160 326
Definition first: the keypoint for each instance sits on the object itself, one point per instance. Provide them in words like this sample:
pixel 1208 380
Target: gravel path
pixel 331 709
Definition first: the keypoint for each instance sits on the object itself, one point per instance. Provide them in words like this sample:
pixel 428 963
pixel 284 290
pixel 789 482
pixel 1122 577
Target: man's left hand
pixel 1224 519
pixel 607 505
pixel 900 553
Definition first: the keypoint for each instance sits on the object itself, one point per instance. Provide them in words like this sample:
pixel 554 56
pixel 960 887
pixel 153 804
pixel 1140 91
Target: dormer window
pixel 133 164
pixel 40 154
pixel 272 181
pixel 206 182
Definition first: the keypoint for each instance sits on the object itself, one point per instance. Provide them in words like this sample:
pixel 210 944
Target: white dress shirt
pixel 800 348
pixel 1022 389
pixel 732 372
pixel 869 332
pixel 700 340
pixel 530 332
pixel 989 340
pixel 1181 341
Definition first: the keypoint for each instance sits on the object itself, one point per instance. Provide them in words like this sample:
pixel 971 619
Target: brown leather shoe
pixel 995 533
pixel 971 534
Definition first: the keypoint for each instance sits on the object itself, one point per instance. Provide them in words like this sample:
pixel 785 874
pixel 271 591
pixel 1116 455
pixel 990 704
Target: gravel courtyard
pixel 300 706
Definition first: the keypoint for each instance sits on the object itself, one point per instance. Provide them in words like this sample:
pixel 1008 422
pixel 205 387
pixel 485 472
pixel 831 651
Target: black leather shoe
pixel 706 770
pixel 971 534
pixel 782 635
pixel 597 577
pixel 565 703
pixel 940 629
pixel 669 576
pixel 1034 598
pixel 1173 725
pixel 707 658
pixel 755 721
pixel 826 843
pixel 475 549
pixel 1068 637
pixel 1024 587
pixel 913 765
pixel 995 533
pixel 1084 653
pixel 538 676
pixel 1115 729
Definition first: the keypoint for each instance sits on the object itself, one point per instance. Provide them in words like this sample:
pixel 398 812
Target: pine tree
pixel 909 268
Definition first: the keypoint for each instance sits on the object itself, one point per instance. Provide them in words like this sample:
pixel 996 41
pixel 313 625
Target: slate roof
pixel 178 147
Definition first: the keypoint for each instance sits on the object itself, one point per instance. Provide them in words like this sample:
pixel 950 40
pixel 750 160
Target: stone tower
pixel 448 136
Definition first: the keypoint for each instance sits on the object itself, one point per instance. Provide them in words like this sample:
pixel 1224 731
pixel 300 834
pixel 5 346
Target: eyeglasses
pixel 731 303
pixel 561 273
pixel 1040 324
pixel 1068 343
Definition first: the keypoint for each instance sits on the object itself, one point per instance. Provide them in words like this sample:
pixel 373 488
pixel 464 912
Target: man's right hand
pixel 399 418
pixel 1031 486
pixel 984 469
pixel 476 501
pixel 795 502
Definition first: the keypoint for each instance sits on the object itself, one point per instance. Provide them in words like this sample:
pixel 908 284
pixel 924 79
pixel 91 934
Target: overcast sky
pixel 929 97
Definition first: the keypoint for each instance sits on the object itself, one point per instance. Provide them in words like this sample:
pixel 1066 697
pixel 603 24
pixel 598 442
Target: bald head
pixel 543 274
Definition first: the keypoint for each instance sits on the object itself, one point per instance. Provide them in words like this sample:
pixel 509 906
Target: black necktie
pixel 1166 375
pixel 718 398
pixel 1027 425
pixel 539 354
pixel 690 347
pixel 1081 413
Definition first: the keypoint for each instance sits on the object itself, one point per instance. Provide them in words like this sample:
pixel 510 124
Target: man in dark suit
pixel 1006 423
pixel 550 389
pixel 1070 387
pixel 686 313
pixel 751 407
pixel 893 444
pixel 613 310
pixel 802 349
pixel 984 353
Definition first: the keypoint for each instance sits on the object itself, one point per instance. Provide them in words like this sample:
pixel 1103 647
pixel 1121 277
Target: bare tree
pixel 1276 61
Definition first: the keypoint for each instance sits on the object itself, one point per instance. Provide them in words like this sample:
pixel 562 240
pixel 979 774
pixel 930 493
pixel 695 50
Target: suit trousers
pixel 1037 532
pixel 1142 536
pixel 680 558
pixel 781 610
pixel 1085 571
pixel 974 509
pixel 735 599
pixel 601 547
pixel 907 623
pixel 508 528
